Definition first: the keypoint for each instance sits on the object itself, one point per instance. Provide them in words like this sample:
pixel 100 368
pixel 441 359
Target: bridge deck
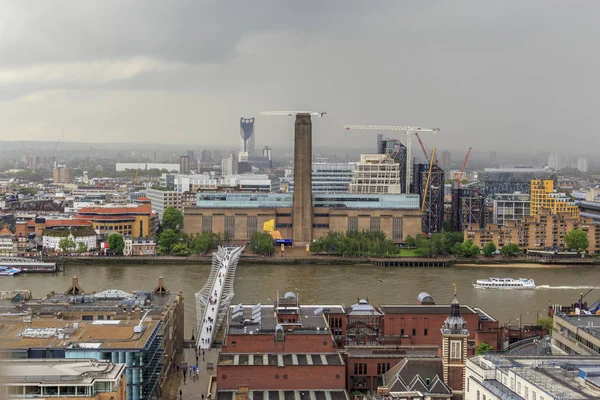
pixel 214 298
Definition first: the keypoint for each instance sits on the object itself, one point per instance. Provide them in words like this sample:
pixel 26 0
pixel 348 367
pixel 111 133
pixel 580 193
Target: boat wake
pixel 564 287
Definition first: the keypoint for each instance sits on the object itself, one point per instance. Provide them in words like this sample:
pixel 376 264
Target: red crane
pixel 422 146
pixel 462 171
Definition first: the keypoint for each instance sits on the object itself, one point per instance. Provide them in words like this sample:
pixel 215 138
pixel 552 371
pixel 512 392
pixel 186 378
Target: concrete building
pixel 543 195
pixel 376 173
pixel 504 377
pixel 61 175
pixel 546 230
pixel 243 182
pixel 51 238
pixel 120 167
pixel 582 164
pixel 162 199
pixel 62 379
pixel 326 177
pixel 238 215
pixel 143 330
pixel 510 207
pixel 184 164
pixel 576 335
pixel 136 220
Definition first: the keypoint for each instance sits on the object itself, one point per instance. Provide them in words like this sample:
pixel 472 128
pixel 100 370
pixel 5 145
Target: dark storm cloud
pixel 489 73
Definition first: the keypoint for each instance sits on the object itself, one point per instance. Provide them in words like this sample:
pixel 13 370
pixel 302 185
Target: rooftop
pixel 424 309
pixel 56 334
pixel 281 360
pixel 56 370
pixel 286 395
pixel 559 376
pixel 589 323
pixel 243 322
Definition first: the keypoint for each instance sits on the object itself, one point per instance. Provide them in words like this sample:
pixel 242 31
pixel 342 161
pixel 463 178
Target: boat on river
pixel 9 271
pixel 504 283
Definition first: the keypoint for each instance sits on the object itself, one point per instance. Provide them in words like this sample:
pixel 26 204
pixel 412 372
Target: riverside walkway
pixel 213 300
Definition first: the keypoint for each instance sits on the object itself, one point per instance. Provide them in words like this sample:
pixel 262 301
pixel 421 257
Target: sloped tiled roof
pixel 6 232
pixel 142 209
pixel 412 375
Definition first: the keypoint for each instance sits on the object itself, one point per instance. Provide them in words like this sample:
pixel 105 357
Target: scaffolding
pixel 467 208
pixel 432 219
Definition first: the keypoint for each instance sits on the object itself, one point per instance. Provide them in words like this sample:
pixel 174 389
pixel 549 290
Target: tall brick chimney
pixel 302 210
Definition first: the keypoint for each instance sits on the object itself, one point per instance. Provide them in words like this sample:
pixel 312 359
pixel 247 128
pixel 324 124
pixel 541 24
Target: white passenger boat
pixel 504 283
pixel 9 271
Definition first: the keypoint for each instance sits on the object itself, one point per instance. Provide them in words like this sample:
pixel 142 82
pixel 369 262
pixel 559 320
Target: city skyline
pixel 491 77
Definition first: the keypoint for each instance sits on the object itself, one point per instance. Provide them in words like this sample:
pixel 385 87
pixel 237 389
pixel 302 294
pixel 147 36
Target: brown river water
pixel 320 284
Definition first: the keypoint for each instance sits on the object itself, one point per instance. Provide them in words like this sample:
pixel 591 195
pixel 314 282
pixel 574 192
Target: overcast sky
pixel 505 74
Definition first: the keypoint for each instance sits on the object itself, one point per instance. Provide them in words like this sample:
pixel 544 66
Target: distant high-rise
pixel 446 162
pixel 582 164
pixel 553 161
pixel 247 136
pixel 61 175
pixel 184 164
pixel 493 157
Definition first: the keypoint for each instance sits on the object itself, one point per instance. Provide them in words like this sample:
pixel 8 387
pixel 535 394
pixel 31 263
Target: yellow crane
pixel 426 189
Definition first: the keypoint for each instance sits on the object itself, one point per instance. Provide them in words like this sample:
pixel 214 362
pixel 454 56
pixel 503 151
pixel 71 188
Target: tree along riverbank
pixel 329 260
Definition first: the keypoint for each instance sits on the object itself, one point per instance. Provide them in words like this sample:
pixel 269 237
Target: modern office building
pixel 229 165
pixel 61 175
pixel 510 180
pixel 326 177
pixel 510 207
pixel 241 214
pixel 62 379
pixel 162 199
pixel 143 330
pixel 432 220
pixel 546 230
pixel 398 152
pixel 506 377
pixel 543 195
pixel 376 173
pixel 136 220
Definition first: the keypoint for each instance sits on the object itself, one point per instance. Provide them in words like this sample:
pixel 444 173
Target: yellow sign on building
pixel 269 226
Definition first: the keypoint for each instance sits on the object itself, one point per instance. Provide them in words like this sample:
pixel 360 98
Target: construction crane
pixel 409 130
pixel 425 152
pixel 462 171
pixel 293 113
pixel 426 189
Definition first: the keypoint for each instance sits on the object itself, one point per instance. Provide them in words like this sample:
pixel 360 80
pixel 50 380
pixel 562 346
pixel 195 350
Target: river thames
pixel 321 284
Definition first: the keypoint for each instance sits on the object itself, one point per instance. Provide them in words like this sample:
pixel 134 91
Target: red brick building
pixel 287 346
pixel 284 347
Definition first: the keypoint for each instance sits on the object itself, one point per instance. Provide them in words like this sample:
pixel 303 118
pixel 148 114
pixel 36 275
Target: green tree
pixel 180 249
pixel 449 239
pixel 227 237
pixel 172 219
pixel 510 250
pixel 446 226
pixel 409 241
pixel 201 243
pixel 167 239
pixel 116 243
pixel 66 244
pixel 577 240
pixel 546 323
pixel 262 243
pixel 82 247
pixel 489 249
pixel 465 249
pixel 483 348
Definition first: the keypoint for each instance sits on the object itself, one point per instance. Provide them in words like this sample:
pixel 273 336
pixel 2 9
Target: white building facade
pixel 51 241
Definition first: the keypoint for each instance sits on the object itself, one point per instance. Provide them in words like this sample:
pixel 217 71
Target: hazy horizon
pixel 499 75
